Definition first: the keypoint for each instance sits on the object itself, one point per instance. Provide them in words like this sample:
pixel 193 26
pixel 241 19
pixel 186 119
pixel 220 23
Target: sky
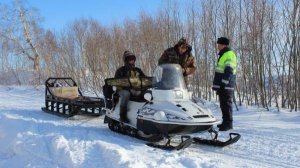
pixel 58 13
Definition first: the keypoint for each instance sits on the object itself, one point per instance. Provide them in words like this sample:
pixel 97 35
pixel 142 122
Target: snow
pixel 32 138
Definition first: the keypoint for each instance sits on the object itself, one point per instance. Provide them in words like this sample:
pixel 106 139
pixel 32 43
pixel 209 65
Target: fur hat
pixel 183 41
pixel 223 40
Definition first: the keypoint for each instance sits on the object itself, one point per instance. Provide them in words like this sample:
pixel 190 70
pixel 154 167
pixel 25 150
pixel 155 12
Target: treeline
pixel 265 34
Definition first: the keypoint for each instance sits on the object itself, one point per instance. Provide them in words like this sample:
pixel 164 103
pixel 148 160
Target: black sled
pixel 64 98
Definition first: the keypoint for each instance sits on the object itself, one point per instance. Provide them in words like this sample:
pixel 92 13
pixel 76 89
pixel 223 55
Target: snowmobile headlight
pixel 160 115
pixel 178 94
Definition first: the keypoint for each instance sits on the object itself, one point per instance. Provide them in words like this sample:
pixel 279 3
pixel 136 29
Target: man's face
pixel 220 46
pixel 182 49
pixel 131 62
pixel 130 59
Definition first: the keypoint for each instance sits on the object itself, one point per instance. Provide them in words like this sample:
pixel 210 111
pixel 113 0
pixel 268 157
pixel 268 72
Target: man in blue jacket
pixel 224 81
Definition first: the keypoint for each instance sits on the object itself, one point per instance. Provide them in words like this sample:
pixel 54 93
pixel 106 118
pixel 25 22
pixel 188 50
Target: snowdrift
pixel 32 138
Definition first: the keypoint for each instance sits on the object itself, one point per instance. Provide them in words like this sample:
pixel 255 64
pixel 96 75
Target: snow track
pixel 32 138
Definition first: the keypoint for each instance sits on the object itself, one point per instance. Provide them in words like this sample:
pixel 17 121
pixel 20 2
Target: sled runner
pixel 64 98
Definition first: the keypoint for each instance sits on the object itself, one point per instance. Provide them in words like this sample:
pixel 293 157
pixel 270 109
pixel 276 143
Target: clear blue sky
pixel 58 13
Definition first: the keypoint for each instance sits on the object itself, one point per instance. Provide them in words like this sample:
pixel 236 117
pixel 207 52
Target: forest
pixel 265 35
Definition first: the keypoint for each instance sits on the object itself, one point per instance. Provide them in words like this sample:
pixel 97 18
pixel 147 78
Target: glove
pixel 222 87
pixel 189 48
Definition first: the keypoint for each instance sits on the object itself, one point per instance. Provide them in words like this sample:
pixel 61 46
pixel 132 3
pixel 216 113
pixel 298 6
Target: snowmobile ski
pixel 234 137
pixel 186 141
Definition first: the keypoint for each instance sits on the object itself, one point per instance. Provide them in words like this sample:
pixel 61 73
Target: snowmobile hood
pixel 177 111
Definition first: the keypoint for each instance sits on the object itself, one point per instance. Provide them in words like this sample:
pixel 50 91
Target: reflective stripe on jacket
pixel 225 70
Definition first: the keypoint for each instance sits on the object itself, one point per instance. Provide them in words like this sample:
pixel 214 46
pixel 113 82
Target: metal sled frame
pixel 67 107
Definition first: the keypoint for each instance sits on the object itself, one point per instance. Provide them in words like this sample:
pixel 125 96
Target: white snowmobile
pixel 165 110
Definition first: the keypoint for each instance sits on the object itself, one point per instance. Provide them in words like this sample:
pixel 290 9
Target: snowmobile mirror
pixel 114 88
pixel 148 96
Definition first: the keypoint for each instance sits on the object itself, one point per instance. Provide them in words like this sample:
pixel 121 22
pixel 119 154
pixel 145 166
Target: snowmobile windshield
pixel 168 77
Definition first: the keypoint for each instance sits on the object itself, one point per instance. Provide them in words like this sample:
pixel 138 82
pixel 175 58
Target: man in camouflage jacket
pixel 180 54
pixel 128 70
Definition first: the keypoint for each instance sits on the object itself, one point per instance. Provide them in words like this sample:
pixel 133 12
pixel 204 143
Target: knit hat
pixel 223 40
pixel 128 56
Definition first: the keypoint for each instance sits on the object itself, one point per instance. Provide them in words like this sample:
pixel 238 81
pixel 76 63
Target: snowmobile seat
pixel 139 98
pixel 113 99
pixel 64 98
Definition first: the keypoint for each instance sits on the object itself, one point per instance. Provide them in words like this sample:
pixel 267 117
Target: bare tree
pixel 264 34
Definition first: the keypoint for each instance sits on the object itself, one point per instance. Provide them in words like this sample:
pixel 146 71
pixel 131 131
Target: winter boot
pixel 223 123
pixel 219 125
pixel 225 126
pixel 123 114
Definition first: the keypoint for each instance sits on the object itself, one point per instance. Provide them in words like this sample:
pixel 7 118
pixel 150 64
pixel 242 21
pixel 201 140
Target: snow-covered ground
pixel 32 138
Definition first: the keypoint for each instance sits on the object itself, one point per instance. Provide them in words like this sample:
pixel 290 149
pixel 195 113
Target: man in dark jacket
pixel 180 54
pixel 128 70
pixel 224 81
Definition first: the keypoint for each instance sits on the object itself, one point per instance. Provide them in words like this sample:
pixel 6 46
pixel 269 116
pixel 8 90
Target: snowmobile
pixel 164 110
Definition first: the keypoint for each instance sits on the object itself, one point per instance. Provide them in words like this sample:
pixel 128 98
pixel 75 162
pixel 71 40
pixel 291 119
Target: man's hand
pixel 183 71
